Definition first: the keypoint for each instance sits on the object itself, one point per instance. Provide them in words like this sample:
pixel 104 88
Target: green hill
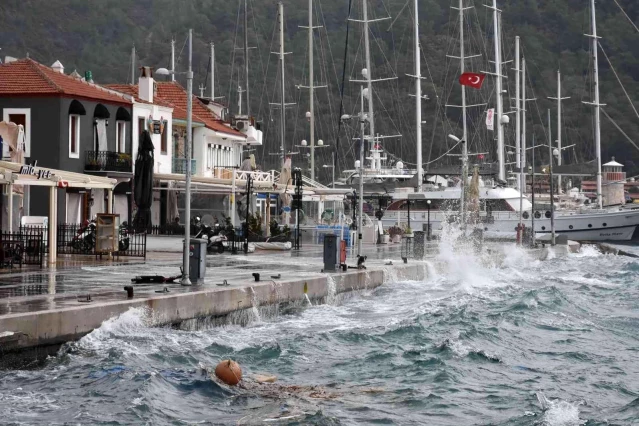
pixel 97 36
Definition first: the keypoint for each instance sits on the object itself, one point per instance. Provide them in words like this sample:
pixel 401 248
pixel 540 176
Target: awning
pixel 24 174
pixel 101 112
pixel 122 115
pixel 225 186
pixel 76 108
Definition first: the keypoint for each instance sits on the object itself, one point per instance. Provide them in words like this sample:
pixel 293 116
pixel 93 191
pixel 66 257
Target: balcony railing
pixel 179 166
pixel 107 161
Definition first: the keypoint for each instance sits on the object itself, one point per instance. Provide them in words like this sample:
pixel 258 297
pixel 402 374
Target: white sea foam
pixel 559 412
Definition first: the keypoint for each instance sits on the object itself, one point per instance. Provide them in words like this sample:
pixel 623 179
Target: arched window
pixel 76 110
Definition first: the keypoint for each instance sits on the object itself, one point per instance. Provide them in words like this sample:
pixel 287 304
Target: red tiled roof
pixel 28 77
pixel 174 93
pixel 132 90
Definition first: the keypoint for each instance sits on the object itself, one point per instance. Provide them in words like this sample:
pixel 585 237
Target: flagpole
pixel 464 127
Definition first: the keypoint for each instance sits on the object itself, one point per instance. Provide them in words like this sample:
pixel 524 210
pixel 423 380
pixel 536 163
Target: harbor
pixel 319 213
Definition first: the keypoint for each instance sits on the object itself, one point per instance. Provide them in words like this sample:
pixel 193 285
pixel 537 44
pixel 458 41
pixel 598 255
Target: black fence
pixel 107 161
pixel 25 247
pixel 166 229
pixel 74 238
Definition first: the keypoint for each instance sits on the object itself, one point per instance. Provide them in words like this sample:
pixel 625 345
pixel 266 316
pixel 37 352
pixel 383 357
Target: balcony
pixel 107 161
pixel 179 166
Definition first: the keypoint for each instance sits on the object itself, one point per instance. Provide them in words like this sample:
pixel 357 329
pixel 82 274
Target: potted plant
pixel 395 233
pixel 408 232
pixel 385 237
pixel 92 164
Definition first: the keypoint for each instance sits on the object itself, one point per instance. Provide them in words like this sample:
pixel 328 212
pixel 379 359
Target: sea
pixel 487 339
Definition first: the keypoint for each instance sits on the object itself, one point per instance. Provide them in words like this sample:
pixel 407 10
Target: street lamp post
pixel 187 154
pixel 429 231
pixel 464 178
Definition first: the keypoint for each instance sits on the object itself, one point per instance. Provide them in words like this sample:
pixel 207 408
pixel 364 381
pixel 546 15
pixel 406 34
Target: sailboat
pixel 502 208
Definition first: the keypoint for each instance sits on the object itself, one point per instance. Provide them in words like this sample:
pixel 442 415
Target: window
pixel 141 124
pixel 19 116
pixel 164 143
pixel 74 136
pixel 120 136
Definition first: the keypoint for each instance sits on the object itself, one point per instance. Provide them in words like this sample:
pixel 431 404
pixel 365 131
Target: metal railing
pixel 166 229
pixel 74 238
pixel 108 161
pixel 25 247
pixel 178 166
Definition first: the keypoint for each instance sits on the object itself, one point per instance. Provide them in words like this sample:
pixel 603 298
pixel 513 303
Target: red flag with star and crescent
pixel 471 79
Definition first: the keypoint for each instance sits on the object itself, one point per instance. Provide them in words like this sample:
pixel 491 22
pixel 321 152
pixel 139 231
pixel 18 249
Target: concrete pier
pixel 40 323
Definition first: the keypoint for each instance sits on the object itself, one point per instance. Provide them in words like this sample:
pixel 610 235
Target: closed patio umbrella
pixel 143 184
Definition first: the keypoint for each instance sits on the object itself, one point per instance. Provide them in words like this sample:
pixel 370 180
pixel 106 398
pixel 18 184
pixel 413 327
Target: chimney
pixel 146 84
pixel 58 67
pixel 88 76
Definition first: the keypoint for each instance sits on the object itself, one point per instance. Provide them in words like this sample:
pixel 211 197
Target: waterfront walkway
pixel 47 307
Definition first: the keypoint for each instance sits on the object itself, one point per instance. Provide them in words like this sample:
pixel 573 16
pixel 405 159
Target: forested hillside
pixel 98 36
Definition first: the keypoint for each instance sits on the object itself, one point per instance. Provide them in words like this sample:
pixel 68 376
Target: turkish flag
pixel 472 79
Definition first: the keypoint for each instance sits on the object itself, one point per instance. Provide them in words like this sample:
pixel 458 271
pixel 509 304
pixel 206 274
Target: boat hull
pixel 618 225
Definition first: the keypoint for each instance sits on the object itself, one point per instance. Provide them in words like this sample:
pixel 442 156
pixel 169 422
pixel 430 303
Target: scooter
pixel 84 240
pixel 217 241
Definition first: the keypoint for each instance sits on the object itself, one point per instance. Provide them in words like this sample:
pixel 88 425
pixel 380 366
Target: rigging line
pixel 430 162
pixel 237 25
pixel 626 15
pixel 264 71
pixel 619 128
pixel 341 96
pixel 329 92
pixel 619 80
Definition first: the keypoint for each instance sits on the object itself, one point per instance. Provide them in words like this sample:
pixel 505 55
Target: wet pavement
pixel 69 284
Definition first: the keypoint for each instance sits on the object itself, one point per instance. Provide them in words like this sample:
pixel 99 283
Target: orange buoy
pixel 229 372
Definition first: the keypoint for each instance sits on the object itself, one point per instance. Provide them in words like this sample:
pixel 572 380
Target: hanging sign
pixel 30 169
pixel 490 119
pixel 157 127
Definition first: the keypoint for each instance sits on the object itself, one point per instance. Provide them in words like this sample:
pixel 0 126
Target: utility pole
pixel 187 154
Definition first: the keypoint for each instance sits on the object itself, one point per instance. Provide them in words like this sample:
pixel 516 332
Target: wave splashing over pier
pixel 489 338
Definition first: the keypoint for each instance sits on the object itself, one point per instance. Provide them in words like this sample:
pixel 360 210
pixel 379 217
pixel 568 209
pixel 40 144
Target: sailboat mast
pixel 369 82
pixel 518 109
pixel 523 124
pixel 246 62
pixel 462 59
pixel 499 92
pixel 596 103
pixel 559 127
pixel 212 72
pixel 282 91
pixel 311 89
pixel 418 100
pixel 133 64
pixel 172 60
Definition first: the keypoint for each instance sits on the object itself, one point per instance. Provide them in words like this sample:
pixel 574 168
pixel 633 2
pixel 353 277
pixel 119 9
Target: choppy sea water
pixel 508 342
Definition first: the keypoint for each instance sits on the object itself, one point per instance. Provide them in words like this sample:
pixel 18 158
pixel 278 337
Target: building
pixel 152 113
pixel 215 143
pixel 70 124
